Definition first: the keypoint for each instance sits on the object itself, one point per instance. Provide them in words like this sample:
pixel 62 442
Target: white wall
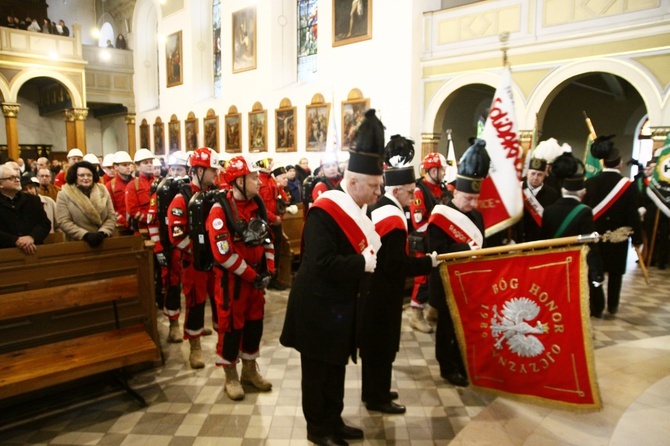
pixel 79 11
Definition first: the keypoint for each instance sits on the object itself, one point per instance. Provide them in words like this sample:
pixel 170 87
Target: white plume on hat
pixel 549 150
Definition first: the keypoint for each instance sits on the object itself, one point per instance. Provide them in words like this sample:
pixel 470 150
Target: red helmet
pixel 236 167
pixel 204 157
pixel 434 159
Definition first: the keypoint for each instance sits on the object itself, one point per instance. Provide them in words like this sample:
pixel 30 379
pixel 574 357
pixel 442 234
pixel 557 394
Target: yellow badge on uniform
pixel 223 247
pixel 417 202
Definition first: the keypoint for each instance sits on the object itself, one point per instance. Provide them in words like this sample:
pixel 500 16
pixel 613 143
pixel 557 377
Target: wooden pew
pixel 292 227
pixel 71 311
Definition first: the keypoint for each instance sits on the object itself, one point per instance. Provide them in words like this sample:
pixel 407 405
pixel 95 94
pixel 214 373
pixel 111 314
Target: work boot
pixel 233 387
pixel 417 321
pixel 251 376
pixel 175 332
pixel 195 358
pixel 431 314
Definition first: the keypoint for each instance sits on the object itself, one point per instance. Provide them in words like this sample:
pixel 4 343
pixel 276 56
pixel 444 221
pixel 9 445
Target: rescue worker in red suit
pixel 196 285
pixel 430 190
pixel 244 263
pixel 117 186
pixel 138 193
pixel 73 156
pixel 330 176
pixel 169 265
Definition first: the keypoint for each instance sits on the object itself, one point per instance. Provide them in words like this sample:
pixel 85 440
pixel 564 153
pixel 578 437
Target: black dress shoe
pixel 349 432
pixel 389 407
pixel 393 395
pixel 613 310
pixel 328 440
pixel 275 285
pixel 457 379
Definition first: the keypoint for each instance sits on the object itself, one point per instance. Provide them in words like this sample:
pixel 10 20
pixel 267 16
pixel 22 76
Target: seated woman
pixel 84 209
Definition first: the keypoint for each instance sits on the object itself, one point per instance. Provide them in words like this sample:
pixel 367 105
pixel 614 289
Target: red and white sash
pixel 358 228
pixel 611 198
pixel 533 206
pixel 388 218
pixel 457 225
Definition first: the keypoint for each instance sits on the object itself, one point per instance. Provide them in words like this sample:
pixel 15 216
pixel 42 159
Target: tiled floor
pixel 188 407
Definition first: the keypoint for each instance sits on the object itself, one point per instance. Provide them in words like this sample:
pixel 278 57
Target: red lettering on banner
pixel 507 138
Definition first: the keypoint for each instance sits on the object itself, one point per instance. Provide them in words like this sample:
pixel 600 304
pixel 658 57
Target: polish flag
pixel 501 199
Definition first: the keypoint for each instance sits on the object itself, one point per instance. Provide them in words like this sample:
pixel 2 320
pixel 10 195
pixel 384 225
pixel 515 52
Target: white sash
pixel 457 225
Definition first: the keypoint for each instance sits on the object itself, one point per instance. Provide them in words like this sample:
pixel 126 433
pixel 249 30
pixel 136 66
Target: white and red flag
pixel 522 322
pixel 500 200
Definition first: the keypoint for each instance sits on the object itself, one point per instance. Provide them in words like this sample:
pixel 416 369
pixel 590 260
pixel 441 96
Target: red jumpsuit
pixel 59 180
pixel 117 190
pixel 196 284
pixel 239 303
pixel 324 185
pixel 138 197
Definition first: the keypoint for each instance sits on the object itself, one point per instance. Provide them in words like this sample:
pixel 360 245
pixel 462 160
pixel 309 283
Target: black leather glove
pixel 262 280
pixel 94 238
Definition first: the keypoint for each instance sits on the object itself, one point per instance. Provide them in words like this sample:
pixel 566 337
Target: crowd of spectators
pixel 45 26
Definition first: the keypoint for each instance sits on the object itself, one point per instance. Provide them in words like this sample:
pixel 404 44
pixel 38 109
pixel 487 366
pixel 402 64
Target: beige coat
pixel 77 214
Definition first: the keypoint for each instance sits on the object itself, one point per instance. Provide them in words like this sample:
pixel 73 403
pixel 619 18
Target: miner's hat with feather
pixel 473 168
pixel 367 146
pixel 569 171
pixel 399 153
pixel 603 148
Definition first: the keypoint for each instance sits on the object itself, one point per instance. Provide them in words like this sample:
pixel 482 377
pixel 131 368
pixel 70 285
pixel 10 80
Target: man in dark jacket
pixel 381 307
pixel 23 222
pixel 339 250
pixel 615 201
pixel 536 197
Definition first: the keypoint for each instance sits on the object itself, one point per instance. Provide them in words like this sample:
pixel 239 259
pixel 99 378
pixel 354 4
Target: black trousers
pixel 596 300
pixel 322 395
pixel 447 352
pixel 376 373
pixel 613 290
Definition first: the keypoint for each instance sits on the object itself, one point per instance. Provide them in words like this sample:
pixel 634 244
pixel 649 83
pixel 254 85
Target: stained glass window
pixel 307 39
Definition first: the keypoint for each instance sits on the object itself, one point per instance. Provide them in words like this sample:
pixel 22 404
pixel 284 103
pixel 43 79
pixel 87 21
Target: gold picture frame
pixel 191 132
pixel 233 131
pixel 159 137
pixel 285 126
pixel 258 131
pixel 174 134
pixel 353 112
pixel 244 39
pixel 316 126
pixel 145 135
pixel 352 21
pixel 173 60
pixel 210 125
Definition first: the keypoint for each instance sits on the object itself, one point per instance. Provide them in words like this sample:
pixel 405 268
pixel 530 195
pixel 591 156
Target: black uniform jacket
pixel 623 212
pixel 553 218
pixel 24 215
pixel 321 312
pixel 381 306
pixel 441 242
pixel 528 229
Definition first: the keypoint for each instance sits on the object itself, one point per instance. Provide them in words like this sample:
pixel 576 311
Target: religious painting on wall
pixel 174 134
pixel 317 127
pixel 173 59
pixel 352 21
pixel 144 134
pixel 159 137
pixel 244 39
pixel 211 130
pixel 191 132
pixel 285 128
pixel 353 112
pixel 234 132
pixel 258 129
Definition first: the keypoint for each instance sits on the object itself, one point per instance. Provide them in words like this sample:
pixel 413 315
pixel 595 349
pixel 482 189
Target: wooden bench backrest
pixel 292 227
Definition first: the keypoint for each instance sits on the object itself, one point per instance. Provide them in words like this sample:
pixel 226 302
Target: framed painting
pixel 191 132
pixel 353 113
pixel 211 131
pixel 244 39
pixel 317 127
pixel 285 128
pixel 352 21
pixel 234 132
pixel 159 137
pixel 144 134
pixel 174 135
pixel 173 60
pixel 258 131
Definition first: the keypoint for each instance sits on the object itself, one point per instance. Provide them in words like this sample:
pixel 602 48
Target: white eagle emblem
pixel 513 328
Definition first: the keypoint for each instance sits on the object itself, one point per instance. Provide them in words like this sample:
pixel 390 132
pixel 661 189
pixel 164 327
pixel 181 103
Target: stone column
pixel 80 115
pixel 429 143
pixel 11 111
pixel 132 136
pixel 70 137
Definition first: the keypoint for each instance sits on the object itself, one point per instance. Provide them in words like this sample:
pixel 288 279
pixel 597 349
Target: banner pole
pixel 652 243
pixel 538 244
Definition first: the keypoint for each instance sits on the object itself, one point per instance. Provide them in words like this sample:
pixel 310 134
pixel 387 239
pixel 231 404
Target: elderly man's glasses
pixel 12 178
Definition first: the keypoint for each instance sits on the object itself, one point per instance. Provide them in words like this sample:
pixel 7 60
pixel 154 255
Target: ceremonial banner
pixel 592 165
pixel 500 200
pixel 452 168
pixel 659 184
pixel 522 322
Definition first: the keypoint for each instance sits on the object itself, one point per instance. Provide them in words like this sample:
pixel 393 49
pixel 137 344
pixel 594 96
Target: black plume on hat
pixel 399 151
pixel 473 168
pixel 603 148
pixel 367 147
pixel 569 171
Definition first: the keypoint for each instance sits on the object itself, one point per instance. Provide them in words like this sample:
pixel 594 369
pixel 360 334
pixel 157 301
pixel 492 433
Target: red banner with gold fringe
pixel 522 322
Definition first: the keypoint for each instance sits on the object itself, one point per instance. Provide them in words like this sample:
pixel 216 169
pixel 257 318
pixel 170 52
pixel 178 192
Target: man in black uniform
pixel 615 201
pixel 568 216
pixel 536 197
pixel 453 227
pixel 339 250
pixel 381 307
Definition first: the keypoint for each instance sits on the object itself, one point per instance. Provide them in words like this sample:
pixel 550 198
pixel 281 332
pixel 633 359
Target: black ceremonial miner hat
pixel 399 153
pixel 569 171
pixel 367 147
pixel 473 168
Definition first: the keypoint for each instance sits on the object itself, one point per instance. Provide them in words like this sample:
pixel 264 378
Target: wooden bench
pixel 71 311
pixel 290 251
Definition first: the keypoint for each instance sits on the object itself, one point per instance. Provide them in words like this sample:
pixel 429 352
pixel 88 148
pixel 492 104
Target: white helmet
pixel 178 159
pixel 108 160
pixel 91 158
pixel 75 152
pixel 121 157
pixel 157 162
pixel 143 154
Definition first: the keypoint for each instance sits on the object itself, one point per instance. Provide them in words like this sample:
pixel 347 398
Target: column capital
pixel 431 137
pixel 68 115
pixel 80 114
pixel 659 133
pixel 130 119
pixel 526 136
pixel 10 110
